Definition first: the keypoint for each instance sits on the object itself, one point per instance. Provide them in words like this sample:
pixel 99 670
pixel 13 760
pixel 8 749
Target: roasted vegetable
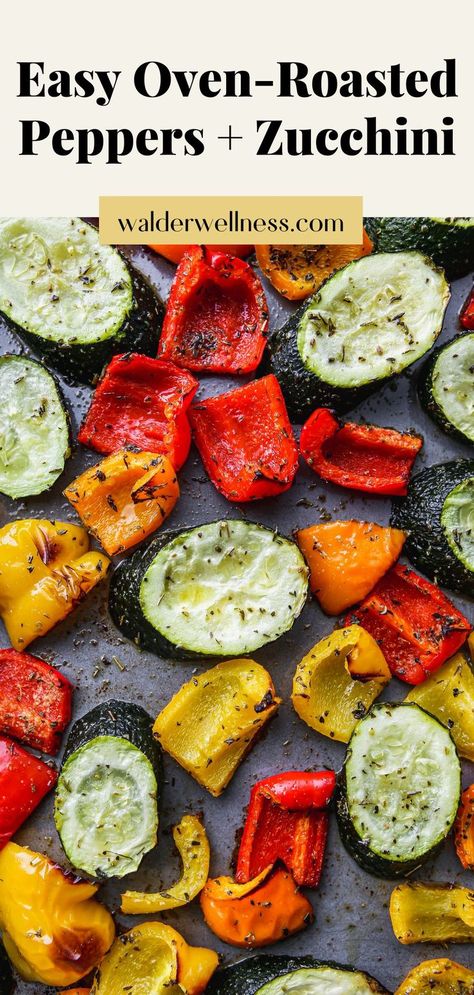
pixel 436 516
pixel 246 441
pixel 229 704
pixel 217 316
pixel 158 959
pixel 466 318
pixel 175 253
pixel 287 821
pixel 362 457
pixel 432 913
pixel 449 695
pixel 448 241
pixel 438 977
pixel 400 789
pixel 464 829
pixel 124 498
pixel 107 795
pixel 258 913
pixel 347 559
pixel 414 623
pixel 46 569
pixel 297 271
pixel 367 322
pixel 141 402
pixel 446 387
pixel 264 975
pixel 35 701
pixel 75 301
pixel 193 846
pixel 53 930
pixel 338 680
pixel 220 589
pixel 34 435
pixel 24 782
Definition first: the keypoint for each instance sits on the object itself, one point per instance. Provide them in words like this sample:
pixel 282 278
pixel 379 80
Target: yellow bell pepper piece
pixel 432 913
pixel 46 569
pixel 338 680
pixel 53 930
pixel 192 843
pixel 438 977
pixel 449 695
pixel 210 724
pixel 158 959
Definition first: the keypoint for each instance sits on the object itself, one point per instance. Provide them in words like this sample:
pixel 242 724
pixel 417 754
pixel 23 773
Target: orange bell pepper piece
pixel 297 271
pixel 464 829
pixel 124 498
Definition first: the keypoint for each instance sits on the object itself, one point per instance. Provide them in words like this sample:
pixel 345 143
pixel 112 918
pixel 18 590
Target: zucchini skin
pixel 449 245
pixel 123 719
pixel 303 390
pixel 139 333
pixel 247 976
pixel 419 514
pixel 425 393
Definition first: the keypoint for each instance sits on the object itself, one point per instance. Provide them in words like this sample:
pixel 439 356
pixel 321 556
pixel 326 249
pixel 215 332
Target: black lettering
pixel 272 129
pixel 27 79
pixel 292 75
pixel 143 83
pixel 32 132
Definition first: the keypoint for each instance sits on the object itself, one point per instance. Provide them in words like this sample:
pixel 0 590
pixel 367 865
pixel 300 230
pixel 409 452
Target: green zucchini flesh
pixel 447 387
pixel 220 589
pixel 277 975
pixel 457 520
pixel 401 789
pixel 34 429
pixel 318 981
pixel 373 318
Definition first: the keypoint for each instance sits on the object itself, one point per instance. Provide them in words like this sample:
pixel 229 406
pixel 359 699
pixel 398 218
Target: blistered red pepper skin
pixel 287 820
pixel 363 457
pixel 24 781
pixel 35 701
pixel 246 441
pixel 217 315
pixel 466 318
pixel 416 626
pixel 141 402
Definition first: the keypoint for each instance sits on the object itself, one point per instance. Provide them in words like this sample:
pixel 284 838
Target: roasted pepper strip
pixel 35 701
pixel 287 821
pixel 270 912
pixel 246 441
pixel 24 781
pixel 124 498
pixel 414 623
pixel 338 680
pixel 217 316
pixel 346 559
pixel 438 977
pixel 297 271
pixel 192 843
pixel 229 704
pixel 362 457
pixel 464 829
pixel 432 913
pixel 141 402
pixel 466 318
pixel 53 930
pixel 449 695
pixel 45 571
pixel 175 253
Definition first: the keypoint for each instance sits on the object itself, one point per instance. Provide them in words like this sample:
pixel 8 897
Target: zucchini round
pixel 430 513
pixel 74 301
pixel 448 241
pixel 263 975
pixel 446 387
pixel 400 789
pixel 370 320
pixel 34 432
pixel 106 799
pixel 216 590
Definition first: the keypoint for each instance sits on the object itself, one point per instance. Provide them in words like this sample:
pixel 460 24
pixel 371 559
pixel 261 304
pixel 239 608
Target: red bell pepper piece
pixel 24 781
pixel 217 315
pixel 141 402
pixel 466 318
pixel 414 623
pixel 363 457
pixel 287 820
pixel 246 441
pixel 35 701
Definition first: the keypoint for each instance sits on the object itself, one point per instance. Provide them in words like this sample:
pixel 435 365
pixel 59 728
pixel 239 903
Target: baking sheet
pixel 351 907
